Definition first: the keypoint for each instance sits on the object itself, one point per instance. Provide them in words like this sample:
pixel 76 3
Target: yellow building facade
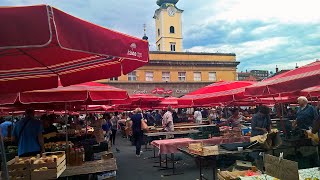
pixel 171 70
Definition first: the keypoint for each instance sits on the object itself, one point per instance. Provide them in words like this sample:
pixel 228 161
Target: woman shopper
pixel 114 127
pixel 137 132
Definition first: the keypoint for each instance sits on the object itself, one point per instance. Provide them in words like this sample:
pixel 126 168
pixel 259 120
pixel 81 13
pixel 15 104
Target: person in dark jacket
pixel 136 130
pixel 306 114
pixel 261 122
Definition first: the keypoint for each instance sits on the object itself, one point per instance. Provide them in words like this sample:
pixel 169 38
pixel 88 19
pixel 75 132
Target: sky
pixel 262 33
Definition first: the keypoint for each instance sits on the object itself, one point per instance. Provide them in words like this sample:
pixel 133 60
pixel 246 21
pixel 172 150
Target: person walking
pixel 198 116
pixel 167 120
pixel 137 132
pixel 114 127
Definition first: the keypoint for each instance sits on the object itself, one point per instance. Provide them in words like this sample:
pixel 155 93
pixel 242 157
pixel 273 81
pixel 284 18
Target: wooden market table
pixel 156 134
pixel 211 157
pixel 171 146
pixel 91 167
pixel 188 127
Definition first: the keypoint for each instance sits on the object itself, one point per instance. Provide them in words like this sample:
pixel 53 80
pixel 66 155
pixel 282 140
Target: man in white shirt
pixel 197 116
pixel 167 120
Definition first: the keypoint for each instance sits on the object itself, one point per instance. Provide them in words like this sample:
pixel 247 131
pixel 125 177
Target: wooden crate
pixel 55 169
pixel 18 171
pixel 210 150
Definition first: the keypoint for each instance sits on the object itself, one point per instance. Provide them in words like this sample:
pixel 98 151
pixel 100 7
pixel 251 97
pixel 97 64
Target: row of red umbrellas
pixel 58 47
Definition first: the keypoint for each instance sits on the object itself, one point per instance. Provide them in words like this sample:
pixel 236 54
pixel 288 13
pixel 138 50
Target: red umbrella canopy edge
pixel 289 82
pixel 40 44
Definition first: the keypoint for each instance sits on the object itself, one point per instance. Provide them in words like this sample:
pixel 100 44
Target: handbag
pixel 144 125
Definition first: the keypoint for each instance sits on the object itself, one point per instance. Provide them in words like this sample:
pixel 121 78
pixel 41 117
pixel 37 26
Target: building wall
pixel 192 56
pixel 173 60
pixel 225 74
pixel 175 89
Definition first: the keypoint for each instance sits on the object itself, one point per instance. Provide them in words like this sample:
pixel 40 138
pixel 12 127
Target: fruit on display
pixel 38 160
pixel 12 149
pixel 57 146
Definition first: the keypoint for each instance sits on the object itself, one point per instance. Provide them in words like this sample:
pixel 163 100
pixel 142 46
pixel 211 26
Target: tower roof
pixel 161 2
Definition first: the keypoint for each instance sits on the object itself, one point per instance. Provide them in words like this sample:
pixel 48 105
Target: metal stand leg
pixel 173 167
pixel 214 166
pixel 5 174
pixel 172 159
pixel 200 164
pixel 160 159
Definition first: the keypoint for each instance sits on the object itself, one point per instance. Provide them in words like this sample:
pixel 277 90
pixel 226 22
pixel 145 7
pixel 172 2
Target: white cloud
pixel 236 32
pixel 284 11
pixel 246 49
pixel 264 29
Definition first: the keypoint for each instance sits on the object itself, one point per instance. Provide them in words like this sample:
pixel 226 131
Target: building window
pixel 132 76
pixel 212 76
pixel 166 76
pixel 173 46
pixel 158 32
pixel 197 76
pixel 182 76
pixel 114 79
pixel 159 47
pixel 149 76
pixel 171 29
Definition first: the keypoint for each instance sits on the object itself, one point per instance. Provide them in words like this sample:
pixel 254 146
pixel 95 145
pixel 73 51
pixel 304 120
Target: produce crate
pixel 49 170
pixel 19 171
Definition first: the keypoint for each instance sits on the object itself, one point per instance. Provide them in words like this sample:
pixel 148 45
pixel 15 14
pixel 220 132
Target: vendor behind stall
pixel 306 114
pixel 48 126
pixel 261 122
pixel 50 131
pixel 234 120
pixel 28 133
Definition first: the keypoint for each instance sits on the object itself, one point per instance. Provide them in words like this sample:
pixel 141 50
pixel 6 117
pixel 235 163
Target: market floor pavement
pixel 131 167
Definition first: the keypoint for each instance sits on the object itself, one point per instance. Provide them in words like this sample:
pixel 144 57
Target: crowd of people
pixel 29 133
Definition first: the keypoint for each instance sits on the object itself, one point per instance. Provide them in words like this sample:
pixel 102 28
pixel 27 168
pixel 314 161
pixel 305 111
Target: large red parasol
pixel 85 93
pixel 39 44
pixel 289 82
pixel 311 92
pixel 168 101
pixel 219 92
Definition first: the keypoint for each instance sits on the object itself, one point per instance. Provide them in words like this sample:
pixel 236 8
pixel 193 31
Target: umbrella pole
pixel 281 118
pixel 86 121
pixel 5 173
pixel 66 123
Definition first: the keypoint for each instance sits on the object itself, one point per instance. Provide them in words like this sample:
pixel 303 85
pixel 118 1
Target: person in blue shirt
pixel 306 115
pixel 4 127
pixel 28 134
pixel 261 122
pixel 136 130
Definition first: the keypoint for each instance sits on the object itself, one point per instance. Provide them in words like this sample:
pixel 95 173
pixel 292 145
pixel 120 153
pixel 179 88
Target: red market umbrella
pixel 311 92
pixel 219 92
pixel 86 93
pixel 289 82
pixel 39 44
pixel 168 101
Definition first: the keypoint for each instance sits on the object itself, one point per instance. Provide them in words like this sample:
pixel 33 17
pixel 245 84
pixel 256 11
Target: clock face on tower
pixel 171 11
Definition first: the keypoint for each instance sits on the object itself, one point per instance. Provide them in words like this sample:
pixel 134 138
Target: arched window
pixel 158 32
pixel 172 29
